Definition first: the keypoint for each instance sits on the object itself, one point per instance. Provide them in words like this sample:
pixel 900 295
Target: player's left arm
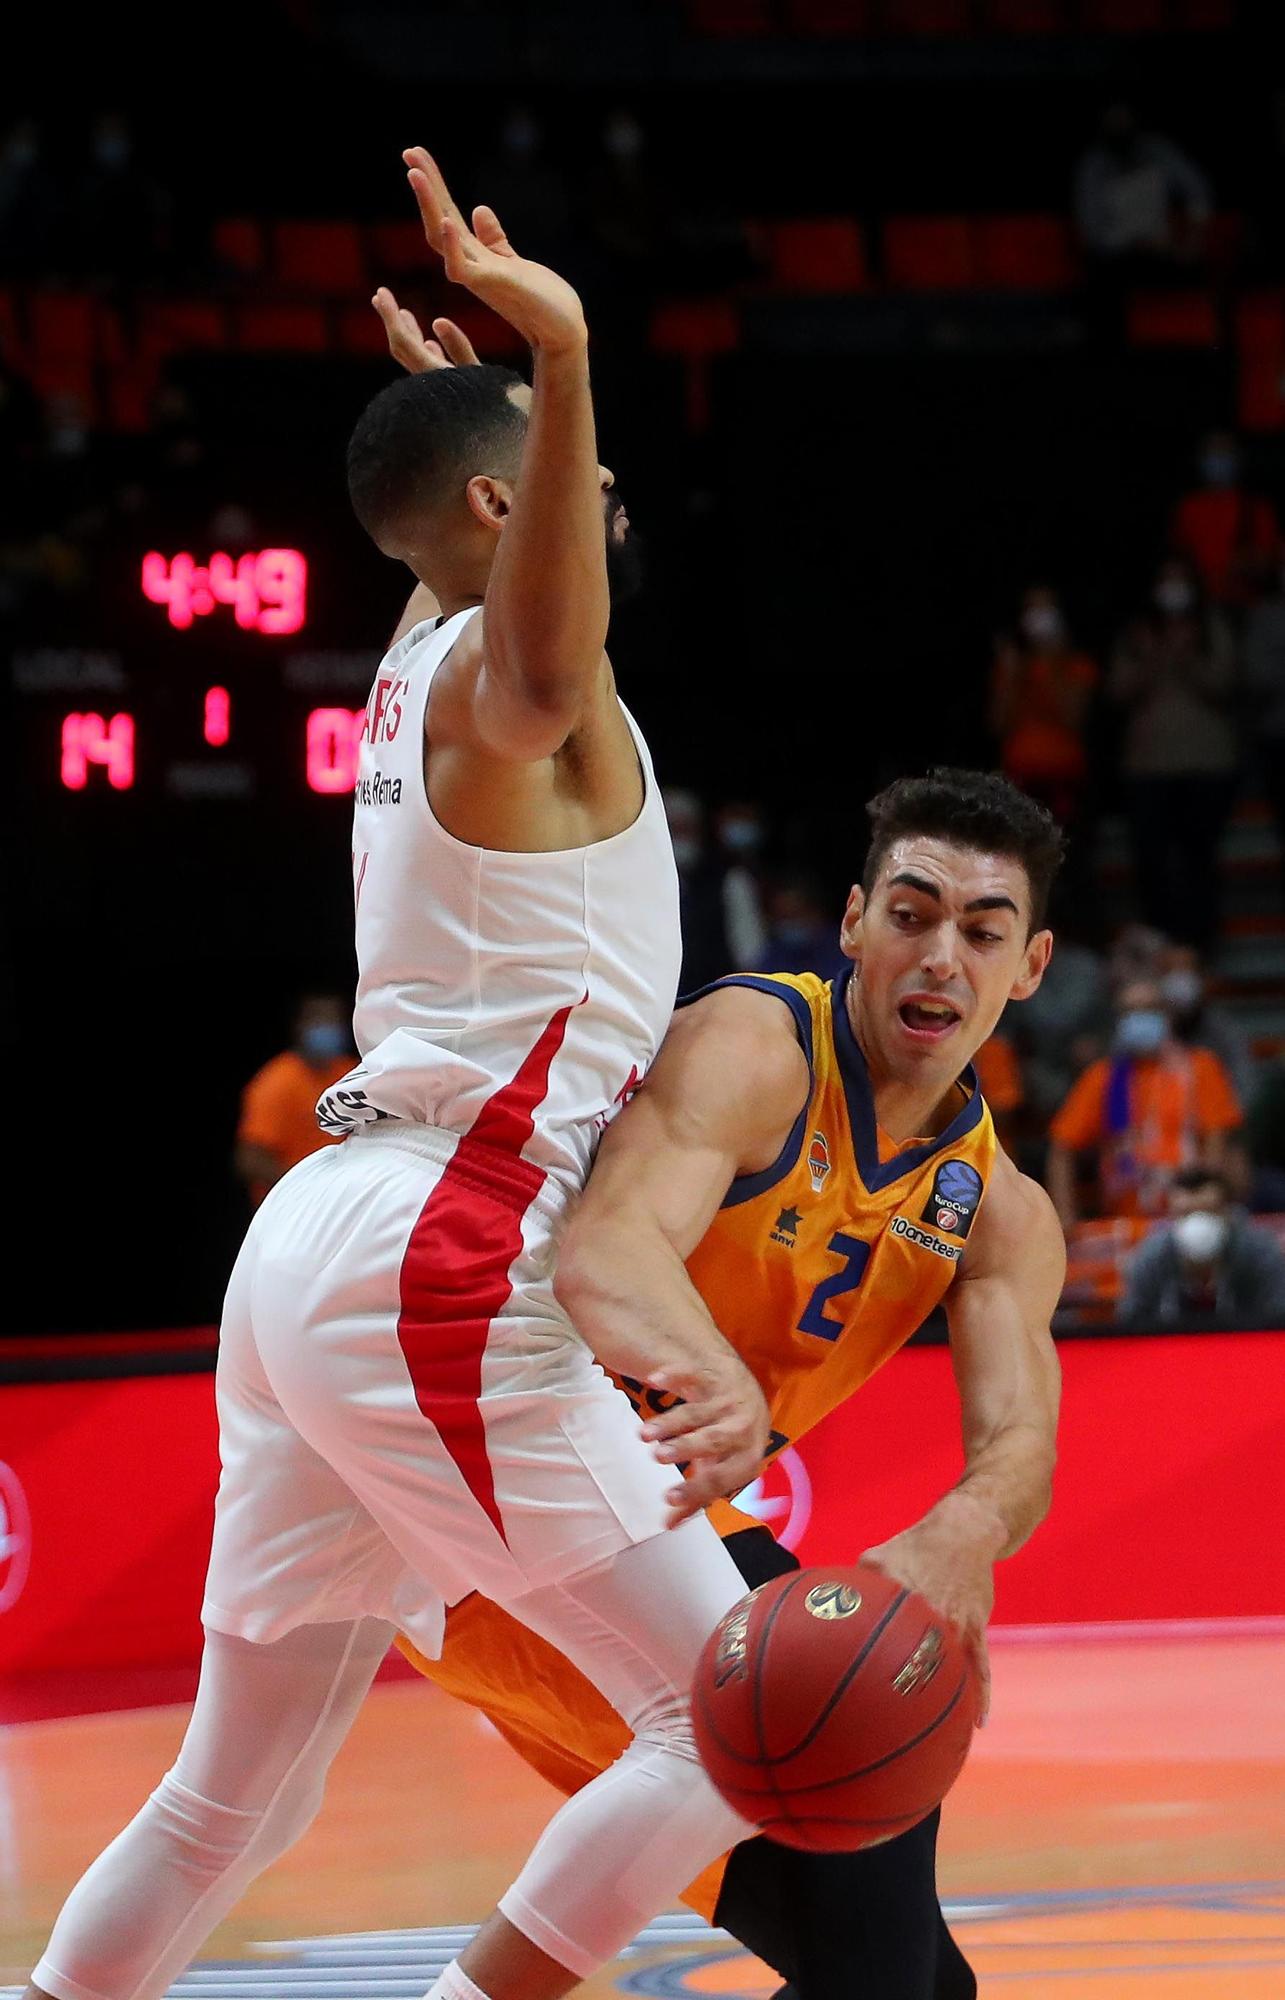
pixel 1006 1369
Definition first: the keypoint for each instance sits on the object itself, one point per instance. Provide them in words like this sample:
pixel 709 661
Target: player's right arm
pixel 539 645
pixel 719 1101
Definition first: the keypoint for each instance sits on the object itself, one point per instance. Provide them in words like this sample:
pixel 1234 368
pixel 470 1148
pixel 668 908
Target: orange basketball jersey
pixel 818 1269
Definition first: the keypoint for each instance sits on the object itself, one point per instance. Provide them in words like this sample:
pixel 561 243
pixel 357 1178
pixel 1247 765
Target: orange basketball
pixel 833 1708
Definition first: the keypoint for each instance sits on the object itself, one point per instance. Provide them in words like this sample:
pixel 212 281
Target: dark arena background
pixel 938 350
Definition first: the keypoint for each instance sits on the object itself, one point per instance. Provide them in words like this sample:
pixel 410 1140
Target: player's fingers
pixel 982 1661
pixel 489 230
pixel 684 1417
pixel 712 1440
pixel 456 343
pixel 429 184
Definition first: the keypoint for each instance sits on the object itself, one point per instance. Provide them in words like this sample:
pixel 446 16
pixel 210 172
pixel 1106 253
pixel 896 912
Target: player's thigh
pixel 635 1624
pixel 262 1710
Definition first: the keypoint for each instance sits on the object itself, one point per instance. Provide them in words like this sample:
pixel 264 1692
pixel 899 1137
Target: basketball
pixel 834 1708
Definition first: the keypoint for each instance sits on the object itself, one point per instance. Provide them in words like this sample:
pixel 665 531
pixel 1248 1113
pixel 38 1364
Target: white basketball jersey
pixel 475 965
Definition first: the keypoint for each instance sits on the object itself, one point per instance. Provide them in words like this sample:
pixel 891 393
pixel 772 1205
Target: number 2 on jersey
pixel 855 1255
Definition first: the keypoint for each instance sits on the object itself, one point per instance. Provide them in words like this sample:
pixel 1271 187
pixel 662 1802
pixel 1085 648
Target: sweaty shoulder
pixel 1017 1231
pixel 732 1057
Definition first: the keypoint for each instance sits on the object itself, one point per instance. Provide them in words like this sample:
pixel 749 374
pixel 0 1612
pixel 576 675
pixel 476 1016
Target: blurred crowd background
pixel 940 355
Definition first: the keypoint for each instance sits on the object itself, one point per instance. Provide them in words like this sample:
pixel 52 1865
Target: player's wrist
pixel 977 1517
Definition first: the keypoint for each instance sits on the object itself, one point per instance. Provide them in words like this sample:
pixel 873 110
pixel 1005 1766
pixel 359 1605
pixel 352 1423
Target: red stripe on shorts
pixel 455 1271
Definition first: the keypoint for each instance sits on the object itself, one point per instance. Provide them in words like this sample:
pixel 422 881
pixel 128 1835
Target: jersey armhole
pixel 747 1186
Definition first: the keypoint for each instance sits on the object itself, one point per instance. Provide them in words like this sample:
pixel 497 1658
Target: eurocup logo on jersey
pixel 957 1189
pixel 818 1161
pixel 15 1537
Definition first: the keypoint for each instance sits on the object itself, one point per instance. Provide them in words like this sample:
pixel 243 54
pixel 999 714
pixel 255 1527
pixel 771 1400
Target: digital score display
pixel 207 692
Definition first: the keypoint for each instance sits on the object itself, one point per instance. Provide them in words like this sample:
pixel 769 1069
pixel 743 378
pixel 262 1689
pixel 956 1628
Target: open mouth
pixel 928 1020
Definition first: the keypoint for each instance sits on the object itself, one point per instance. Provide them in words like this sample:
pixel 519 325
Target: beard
pixel 625 561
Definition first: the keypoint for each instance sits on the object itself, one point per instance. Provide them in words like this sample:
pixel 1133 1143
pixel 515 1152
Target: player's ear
pixel 850 933
pixel 489 500
pixel 1035 962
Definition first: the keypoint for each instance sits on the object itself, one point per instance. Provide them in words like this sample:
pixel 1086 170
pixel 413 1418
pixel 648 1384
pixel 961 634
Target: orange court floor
pixel 1119 1832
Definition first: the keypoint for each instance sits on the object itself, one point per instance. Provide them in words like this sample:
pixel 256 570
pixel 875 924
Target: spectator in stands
pixel 1184 987
pixel 1174 677
pixel 628 212
pixel 1266 1135
pixel 32 208
pixel 1207 1265
pixel 1000 1075
pixel 739 835
pixel 706 952
pixel 1066 1024
pixel 802 932
pixel 1141 205
pixel 1041 687
pixel 278 1124
pixel 1230 535
pixel 1264 656
pixel 123 216
pixel 1150 1107
pixel 525 187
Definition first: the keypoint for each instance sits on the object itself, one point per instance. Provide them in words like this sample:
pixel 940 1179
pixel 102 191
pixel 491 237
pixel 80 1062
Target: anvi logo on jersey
pixel 957 1189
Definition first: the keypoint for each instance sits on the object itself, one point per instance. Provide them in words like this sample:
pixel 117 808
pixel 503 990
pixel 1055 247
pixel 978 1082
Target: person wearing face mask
pixel 278 1123
pixel 1229 534
pixel 1198 1019
pixel 1151 1107
pixel 1264 653
pixel 800 930
pixel 1173 678
pixel 1207 1265
pixel 740 833
pixel 1041 687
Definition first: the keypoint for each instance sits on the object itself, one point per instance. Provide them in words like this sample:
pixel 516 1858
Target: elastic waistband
pixel 510 1179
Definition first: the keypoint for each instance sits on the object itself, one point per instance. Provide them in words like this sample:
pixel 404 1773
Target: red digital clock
pixel 267 591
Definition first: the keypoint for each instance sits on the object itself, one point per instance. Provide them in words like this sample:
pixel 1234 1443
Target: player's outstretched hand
pixel 414 350
pixel 949 1558
pixel 719 1430
pixel 541 305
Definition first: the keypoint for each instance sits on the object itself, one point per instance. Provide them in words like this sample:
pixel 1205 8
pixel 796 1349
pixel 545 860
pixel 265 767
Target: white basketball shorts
pixel 406 1413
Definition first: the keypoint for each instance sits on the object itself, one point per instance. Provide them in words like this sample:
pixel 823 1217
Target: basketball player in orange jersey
pixel 406 1412
pixel 812 1168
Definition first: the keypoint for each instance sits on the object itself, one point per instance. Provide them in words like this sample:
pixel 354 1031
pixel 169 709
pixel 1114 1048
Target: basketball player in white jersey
pixel 406 1414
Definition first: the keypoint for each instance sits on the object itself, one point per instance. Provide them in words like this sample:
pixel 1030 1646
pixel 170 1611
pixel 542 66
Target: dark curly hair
pixel 969 809
pixel 425 436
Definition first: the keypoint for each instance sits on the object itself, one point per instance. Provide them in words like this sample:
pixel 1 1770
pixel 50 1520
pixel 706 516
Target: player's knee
pixel 665 1723
pixel 209 1837
pixel 213 1837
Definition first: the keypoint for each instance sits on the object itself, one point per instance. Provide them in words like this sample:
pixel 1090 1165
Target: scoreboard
pixel 211 686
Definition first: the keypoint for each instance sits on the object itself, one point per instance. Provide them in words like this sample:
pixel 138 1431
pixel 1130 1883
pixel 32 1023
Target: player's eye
pixel 904 916
pixel 988 937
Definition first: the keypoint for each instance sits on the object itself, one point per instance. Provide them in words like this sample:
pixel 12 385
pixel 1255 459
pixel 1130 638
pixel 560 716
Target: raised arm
pixel 719 1101
pixel 1006 1369
pixel 545 613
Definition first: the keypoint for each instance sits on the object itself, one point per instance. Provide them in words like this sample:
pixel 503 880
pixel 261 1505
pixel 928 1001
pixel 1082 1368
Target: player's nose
pixel 606 478
pixel 941 953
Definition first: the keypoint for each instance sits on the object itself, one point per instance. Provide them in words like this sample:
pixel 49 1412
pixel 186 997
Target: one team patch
pixel 956 1192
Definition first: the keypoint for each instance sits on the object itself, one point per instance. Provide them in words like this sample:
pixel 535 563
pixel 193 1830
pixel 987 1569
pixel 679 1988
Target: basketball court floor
pixel 1118 1834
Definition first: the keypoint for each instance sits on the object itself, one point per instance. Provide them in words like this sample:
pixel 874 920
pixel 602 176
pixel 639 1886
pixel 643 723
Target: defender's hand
pixel 720 1431
pixel 414 350
pixel 537 302
pixel 949 1558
